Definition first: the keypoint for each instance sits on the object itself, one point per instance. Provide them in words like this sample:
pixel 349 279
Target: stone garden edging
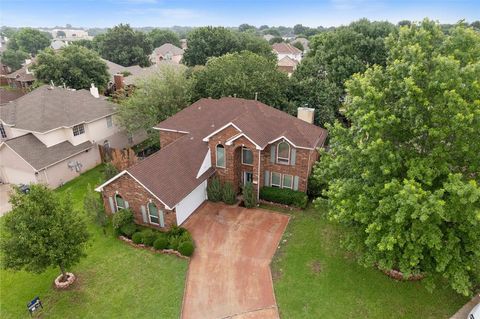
pixel 158 251
pixel 64 284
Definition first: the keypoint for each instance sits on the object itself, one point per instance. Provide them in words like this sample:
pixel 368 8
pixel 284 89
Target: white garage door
pixel 188 205
pixel 16 176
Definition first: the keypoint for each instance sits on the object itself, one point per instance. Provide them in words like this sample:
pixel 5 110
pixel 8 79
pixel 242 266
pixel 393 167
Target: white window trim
pixel 116 204
pixel 246 148
pixel 283 180
pixel 224 156
pixel 283 158
pixel 149 215
pixel 271 180
pixel 3 132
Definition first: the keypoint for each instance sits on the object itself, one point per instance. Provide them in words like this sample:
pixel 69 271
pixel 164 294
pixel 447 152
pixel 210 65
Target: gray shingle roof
pixel 168 48
pixel 38 155
pixel 45 109
pixel 145 73
pixel 114 68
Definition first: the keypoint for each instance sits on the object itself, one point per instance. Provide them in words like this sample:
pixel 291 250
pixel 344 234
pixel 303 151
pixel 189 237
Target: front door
pixel 247 177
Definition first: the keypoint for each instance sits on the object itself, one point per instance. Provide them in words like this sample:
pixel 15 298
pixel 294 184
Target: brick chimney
pixel 118 81
pixel 306 114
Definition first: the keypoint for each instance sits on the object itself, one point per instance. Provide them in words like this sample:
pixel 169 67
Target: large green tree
pixel 333 58
pixel 206 42
pixel 154 99
pixel 76 66
pixel 404 176
pixel 42 230
pixel 242 74
pixel 14 58
pixel 29 40
pixel 161 36
pixel 123 45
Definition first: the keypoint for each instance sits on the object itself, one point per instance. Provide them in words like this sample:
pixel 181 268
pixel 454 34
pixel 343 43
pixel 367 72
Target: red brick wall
pixel 136 196
pixel 167 137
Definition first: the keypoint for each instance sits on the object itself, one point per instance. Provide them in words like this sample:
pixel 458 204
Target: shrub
pixel 176 231
pixel 186 248
pixel 148 237
pixel 121 218
pixel 214 190
pixel 315 187
pixel 128 229
pixel 249 197
pixel 161 242
pixel 109 170
pixel 137 238
pixel 228 194
pixel 284 196
pixel 173 242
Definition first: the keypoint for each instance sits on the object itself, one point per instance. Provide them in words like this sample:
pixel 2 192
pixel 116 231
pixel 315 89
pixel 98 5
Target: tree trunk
pixel 64 273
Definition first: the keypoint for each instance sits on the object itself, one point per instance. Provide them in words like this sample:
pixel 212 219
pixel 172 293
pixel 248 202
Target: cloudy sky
pixel 163 13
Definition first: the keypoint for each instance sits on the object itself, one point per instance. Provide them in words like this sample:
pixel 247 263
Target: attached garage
pixel 191 202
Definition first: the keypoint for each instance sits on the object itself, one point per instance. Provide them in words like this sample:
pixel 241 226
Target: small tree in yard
pixel 92 205
pixel 249 197
pixel 41 231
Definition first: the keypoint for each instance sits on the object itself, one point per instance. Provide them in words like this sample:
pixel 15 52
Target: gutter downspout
pixel 258 182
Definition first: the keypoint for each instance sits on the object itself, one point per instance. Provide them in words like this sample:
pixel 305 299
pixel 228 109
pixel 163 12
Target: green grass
pixel 114 280
pixel 314 277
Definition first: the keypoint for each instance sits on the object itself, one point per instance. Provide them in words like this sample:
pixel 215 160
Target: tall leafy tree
pixel 242 74
pixel 14 58
pixel 404 176
pixel 124 46
pixel 41 231
pixel 333 58
pixel 206 42
pixel 76 66
pixel 251 42
pixel 29 40
pixel 154 99
pixel 159 37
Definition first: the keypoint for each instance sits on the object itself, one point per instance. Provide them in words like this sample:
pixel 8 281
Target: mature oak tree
pixel 14 58
pixel 159 37
pixel 404 176
pixel 41 231
pixel 76 66
pixel 29 40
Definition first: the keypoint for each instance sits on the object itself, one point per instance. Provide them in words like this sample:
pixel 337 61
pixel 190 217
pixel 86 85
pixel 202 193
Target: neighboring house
pixel 305 43
pixel 122 81
pixel 183 43
pixel 68 34
pixel 7 95
pixel 286 49
pixel 235 139
pixel 58 44
pixel 117 69
pixel 23 78
pixel 268 37
pixel 167 52
pixel 50 135
pixel 287 65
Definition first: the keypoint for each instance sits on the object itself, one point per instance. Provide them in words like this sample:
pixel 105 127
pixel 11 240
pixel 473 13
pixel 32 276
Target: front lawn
pixel 114 280
pixel 314 277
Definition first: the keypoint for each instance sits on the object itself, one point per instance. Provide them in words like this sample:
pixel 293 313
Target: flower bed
pixel 159 251
pixel 398 275
pixel 64 284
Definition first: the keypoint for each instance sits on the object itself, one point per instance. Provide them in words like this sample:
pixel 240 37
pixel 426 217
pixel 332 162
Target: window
pixel 2 131
pixel 287 181
pixel 220 156
pixel 153 214
pixel 119 202
pixel 276 180
pixel 283 153
pixel 247 156
pixel 109 121
pixel 78 129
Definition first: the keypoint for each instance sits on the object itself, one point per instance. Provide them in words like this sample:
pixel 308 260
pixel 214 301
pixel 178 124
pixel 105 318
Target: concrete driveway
pixel 229 273
pixel 4 196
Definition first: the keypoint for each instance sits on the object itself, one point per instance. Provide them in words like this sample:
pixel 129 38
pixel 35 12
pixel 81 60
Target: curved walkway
pixel 229 274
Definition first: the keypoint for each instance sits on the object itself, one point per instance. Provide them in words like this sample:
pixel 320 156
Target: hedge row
pixel 284 196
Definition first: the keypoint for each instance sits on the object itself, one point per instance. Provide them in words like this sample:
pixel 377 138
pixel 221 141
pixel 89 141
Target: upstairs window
pixel 78 129
pixel 2 131
pixel 283 153
pixel 247 156
pixel 109 121
pixel 220 156
pixel 119 202
pixel 153 214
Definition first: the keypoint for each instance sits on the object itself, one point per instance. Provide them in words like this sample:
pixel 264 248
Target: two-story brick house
pixel 235 139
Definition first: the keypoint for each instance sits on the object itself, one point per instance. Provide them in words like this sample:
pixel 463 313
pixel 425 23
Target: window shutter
pixel 295 183
pixel 144 214
pixel 267 179
pixel 293 156
pixel 126 204
pixel 112 206
pixel 273 149
pixel 162 221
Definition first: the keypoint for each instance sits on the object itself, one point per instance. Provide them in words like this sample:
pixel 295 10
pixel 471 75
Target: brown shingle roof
pixel 285 48
pixel 7 95
pixel 22 75
pixel 40 156
pixel 45 109
pixel 287 61
pixel 166 48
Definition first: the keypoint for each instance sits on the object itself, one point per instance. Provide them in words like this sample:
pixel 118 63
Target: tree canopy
pixel 76 66
pixel 123 45
pixel 242 74
pixel 14 58
pixel 404 176
pixel 29 41
pixel 333 58
pixel 159 37
pixel 42 230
